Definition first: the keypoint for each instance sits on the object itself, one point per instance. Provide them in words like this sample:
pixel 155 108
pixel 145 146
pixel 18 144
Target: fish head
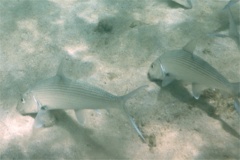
pixel 155 71
pixel 26 104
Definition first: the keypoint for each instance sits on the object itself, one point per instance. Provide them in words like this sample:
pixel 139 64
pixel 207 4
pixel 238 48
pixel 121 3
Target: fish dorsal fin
pixel 60 68
pixel 203 39
pixel 190 46
pixel 185 3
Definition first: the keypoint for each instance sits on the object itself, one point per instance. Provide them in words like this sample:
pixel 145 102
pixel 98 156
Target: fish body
pixel 232 28
pixel 183 65
pixel 63 93
pixel 60 92
pixel 231 3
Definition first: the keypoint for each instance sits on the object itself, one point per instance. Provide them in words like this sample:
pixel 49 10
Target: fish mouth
pixel 155 80
pixel 152 79
pixel 149 77
pixel 23 110
pixel 19 108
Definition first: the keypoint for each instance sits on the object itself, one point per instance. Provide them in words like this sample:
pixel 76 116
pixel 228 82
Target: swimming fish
pixel 231 3
pixel 185 3
pixel 184 65
pixel 60 92
pixel 233 29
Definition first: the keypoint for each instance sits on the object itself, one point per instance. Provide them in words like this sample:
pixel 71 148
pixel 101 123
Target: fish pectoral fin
pixel 44 118
pixel 80 115
pixel 197 90
pixel 167 80
pixel 38 122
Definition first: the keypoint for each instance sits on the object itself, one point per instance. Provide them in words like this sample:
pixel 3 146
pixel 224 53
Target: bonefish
pixel 183 65
pixel 60 92
pixel 233 27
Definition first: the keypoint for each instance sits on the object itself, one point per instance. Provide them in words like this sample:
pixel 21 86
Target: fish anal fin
pixel 236 89
pixel 80 115
pixel 197 90
pixel 237 105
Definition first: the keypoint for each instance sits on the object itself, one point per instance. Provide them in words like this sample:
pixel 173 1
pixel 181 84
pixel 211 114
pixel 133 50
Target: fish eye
pixel 152 65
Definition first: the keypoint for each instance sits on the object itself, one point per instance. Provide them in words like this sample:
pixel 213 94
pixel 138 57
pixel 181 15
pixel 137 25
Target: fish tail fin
pixel 236 92
pixel 131 94
pixel 124 100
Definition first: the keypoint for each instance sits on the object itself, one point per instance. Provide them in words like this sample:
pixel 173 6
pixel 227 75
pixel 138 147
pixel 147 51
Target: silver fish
pixel 233 28
pixel 183 65
pixel 231 3
pixel 60 92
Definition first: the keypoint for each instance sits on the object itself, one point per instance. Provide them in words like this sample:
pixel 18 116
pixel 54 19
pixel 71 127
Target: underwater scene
pixel 120 79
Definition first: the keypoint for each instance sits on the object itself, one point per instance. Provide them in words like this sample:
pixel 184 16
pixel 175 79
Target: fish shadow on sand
pixel 13 151
pixel 82 136
pixel 83 139
pixel 178 91
pixel 215 152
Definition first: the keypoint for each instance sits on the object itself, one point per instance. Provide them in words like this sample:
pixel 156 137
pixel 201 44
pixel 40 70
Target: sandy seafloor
pixel 113 43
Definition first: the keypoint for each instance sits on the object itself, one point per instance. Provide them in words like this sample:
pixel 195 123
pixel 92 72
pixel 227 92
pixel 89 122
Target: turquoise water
pixel 111 45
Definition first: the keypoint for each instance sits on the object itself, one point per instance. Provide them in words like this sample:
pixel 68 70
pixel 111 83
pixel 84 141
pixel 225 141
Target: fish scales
pixel 194 69
pixel 57 94
pixel 197 63
pixel 184 65
pixel 197 70
pixel 77 89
